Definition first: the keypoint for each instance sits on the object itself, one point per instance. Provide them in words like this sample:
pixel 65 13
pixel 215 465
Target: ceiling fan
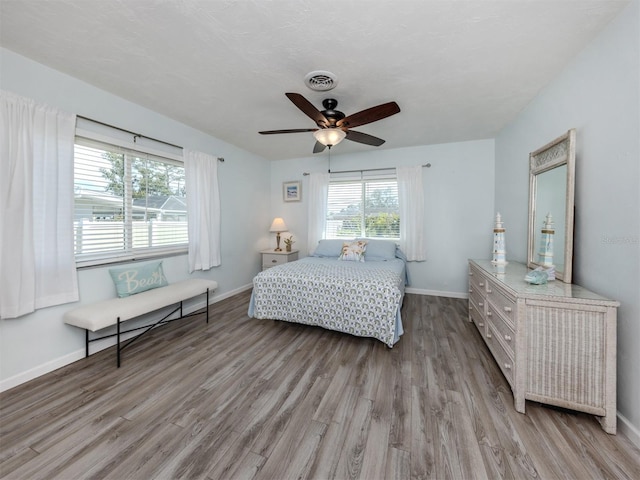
pixel 334 126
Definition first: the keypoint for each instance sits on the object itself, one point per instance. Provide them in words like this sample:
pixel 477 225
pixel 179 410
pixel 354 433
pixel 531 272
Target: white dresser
pixel 555 343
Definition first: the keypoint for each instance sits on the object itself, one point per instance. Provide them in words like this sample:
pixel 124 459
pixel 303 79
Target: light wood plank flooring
pixel 242 398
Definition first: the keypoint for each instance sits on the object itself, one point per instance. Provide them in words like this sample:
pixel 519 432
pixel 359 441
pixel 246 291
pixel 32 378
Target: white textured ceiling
pixel 459 70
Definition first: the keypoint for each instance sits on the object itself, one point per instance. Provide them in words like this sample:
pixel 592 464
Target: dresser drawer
pixel 477 281
pixel 475 288
pixel 274 259
pixel 502 328
pixel 504 361
pixel 271 260
pixel 477 316
pixel 477 299
pixel 501 302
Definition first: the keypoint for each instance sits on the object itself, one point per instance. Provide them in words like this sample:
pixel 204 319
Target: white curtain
pixel 411 203
pixel 37 263
pixel 317 214
pixel 203 206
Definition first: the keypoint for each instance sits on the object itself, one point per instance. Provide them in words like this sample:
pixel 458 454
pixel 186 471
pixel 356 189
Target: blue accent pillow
pixel 331 247
pixel 138 278
pixel 378 249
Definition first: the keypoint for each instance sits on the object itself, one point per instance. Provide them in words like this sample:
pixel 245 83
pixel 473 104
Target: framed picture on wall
pixel 292 191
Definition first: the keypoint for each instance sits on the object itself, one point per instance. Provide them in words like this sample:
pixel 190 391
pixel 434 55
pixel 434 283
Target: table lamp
pixel 278 226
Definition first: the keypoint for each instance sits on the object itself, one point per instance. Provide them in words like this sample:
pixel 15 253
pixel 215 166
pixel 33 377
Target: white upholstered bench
pixel 100 315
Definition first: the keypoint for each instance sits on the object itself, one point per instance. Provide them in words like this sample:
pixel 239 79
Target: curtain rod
pixel 426 165
pixel 135 135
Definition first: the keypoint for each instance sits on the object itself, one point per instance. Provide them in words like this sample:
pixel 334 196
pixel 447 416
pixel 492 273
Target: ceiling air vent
pixel 320 81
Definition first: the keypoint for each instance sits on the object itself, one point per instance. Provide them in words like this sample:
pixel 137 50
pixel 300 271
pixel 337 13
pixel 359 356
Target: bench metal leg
pixel 119 332
pixel 86 343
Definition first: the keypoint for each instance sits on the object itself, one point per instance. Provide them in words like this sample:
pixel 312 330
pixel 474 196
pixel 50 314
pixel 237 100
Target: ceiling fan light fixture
pixel 329 136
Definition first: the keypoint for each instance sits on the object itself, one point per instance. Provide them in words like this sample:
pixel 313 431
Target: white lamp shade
pixel 329 136
pixel 278 225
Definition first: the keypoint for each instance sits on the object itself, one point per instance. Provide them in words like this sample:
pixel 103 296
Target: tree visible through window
pixel 127 204
pixel 363 208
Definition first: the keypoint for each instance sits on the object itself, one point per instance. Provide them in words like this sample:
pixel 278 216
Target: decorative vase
pixel 288 248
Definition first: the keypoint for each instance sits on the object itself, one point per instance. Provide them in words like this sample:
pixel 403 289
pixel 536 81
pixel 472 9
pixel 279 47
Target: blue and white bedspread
pixel 359 298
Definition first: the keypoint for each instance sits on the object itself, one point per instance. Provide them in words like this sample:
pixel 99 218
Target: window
pixel 363 207
pixel 128 204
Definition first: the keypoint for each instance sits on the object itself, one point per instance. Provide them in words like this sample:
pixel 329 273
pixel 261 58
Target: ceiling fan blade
pixel 308 109
pixel 369 115
pixel 364 138
pixel 294 130
pixel 318 147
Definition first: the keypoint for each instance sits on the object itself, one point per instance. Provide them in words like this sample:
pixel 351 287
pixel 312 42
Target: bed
pixel 361 296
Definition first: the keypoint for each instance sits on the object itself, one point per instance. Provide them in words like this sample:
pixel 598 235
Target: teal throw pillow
pixel 138 278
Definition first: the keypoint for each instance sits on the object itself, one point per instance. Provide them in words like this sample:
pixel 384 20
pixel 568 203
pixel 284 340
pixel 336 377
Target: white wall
pixel 459 211
pixel 36 343
pixel 598 94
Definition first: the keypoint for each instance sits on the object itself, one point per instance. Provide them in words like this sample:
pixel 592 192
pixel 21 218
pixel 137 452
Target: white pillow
pixel 353 251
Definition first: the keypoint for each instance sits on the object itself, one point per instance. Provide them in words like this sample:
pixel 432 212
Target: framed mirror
pixel 551 197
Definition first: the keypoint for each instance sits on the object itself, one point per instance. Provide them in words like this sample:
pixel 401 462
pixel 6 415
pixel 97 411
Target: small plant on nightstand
pixel 288 242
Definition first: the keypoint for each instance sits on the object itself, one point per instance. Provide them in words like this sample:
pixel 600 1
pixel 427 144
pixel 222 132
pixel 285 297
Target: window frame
pixel 128 253
pixel 363 178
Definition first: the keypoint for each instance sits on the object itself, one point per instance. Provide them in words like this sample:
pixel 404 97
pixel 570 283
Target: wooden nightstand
pixel 271 258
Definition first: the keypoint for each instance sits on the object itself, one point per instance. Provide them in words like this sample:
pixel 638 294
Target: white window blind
pixel 366 206
pixel 128 204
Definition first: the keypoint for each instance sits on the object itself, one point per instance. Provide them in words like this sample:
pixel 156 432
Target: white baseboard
pixel 231 293
pixel 628 430
pixel 69 358
pixel 35 372
pixel 436 293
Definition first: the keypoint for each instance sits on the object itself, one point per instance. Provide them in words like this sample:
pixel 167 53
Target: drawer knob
pixel 489 290
pixel 480 304
pixel 471 290
pixel 488 334
pixel 507 366
pixel 507 338
pixel 274 261
pixel 489 314
pixel 471 274
pixel 507 309
pixel 480 324
pixel 481 284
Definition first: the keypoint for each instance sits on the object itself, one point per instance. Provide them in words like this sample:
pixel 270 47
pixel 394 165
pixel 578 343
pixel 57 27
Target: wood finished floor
pixel 242 398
